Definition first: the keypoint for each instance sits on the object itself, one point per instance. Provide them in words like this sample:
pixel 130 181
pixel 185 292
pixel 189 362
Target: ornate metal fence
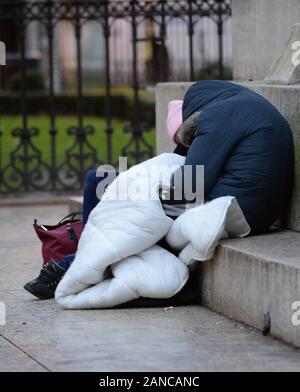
pixel 26 169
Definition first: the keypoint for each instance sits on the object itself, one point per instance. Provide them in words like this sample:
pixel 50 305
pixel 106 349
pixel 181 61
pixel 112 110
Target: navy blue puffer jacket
pixel 246 147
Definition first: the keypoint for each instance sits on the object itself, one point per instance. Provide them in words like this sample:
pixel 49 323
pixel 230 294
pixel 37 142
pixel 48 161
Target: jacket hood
pixel 203 92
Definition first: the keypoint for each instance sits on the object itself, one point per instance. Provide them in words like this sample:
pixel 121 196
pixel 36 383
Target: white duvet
pixel 122 232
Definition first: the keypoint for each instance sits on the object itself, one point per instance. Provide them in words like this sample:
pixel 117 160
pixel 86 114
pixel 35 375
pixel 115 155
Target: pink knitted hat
pixel 174 118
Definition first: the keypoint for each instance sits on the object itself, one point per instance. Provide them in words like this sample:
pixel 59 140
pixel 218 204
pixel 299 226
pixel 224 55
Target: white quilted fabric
pixel 122 234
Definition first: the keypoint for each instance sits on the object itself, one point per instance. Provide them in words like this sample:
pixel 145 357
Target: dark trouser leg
pixel 90 199
pixel 92 192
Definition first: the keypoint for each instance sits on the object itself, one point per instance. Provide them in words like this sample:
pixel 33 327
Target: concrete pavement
pixel 39 336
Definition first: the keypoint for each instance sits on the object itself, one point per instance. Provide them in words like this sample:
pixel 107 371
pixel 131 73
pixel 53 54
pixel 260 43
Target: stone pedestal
pixel 259 31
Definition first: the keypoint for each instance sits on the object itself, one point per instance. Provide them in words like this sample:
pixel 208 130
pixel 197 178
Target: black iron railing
pixel 26 168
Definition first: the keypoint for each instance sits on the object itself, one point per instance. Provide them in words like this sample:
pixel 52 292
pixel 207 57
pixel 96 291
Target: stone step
pixel 254 280
pixel 75 204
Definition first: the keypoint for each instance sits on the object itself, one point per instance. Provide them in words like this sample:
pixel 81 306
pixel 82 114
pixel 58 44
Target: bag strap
pixel 72 215
pixel 71 234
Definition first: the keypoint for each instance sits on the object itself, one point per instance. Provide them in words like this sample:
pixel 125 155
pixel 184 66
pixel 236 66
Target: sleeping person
pixel 245 145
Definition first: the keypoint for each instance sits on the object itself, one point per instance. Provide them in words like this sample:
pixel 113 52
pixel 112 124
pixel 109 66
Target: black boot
pixel 44 286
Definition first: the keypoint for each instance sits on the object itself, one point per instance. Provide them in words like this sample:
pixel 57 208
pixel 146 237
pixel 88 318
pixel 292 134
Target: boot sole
pixel 31 290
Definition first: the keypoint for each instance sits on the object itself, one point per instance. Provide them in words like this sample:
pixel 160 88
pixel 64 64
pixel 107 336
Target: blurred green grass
pixel 63 141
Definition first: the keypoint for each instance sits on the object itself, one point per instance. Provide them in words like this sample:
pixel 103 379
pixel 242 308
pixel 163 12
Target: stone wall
pixel 260 28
